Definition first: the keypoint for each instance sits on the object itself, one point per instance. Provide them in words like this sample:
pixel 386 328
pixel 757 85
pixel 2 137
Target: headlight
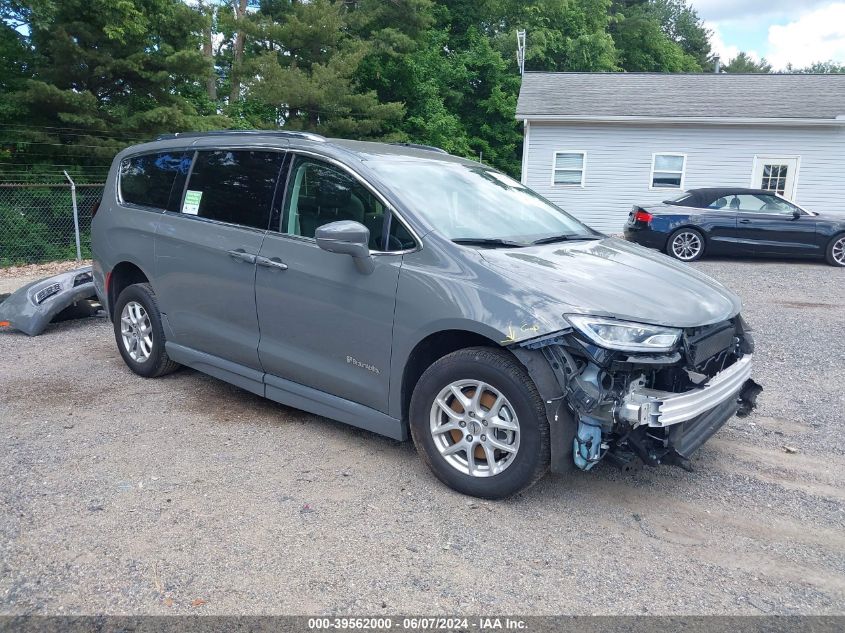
pixel 625 335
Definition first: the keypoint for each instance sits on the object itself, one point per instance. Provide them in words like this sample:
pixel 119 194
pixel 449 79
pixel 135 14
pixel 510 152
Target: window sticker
pixel 191 205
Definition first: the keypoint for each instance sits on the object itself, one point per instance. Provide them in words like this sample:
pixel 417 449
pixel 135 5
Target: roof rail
pixel 429 148
pixel 284 133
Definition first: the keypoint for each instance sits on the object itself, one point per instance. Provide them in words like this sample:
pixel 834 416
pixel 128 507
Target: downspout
pixel 527 127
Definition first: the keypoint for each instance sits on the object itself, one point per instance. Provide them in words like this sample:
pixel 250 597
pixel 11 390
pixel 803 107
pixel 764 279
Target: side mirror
pixel 347 237
pixel 796 214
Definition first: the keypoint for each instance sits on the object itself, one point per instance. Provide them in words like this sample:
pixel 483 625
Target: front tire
pixel 685 244
pixel 835 252
pixel 479 423
pixel 139 333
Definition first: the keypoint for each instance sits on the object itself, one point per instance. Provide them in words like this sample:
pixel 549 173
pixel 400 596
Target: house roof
pixel 703 96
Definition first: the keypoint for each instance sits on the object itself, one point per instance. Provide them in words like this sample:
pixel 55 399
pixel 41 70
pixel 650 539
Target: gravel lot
pixel 185 494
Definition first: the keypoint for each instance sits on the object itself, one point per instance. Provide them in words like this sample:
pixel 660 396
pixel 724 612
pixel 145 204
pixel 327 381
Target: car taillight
pixel 642 216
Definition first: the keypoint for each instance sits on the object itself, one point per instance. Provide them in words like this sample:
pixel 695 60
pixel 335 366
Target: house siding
pixel 619 157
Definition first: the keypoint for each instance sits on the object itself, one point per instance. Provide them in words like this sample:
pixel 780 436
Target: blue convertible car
pixel 721 221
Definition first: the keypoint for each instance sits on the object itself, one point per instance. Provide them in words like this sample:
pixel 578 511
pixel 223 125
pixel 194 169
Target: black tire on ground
pixel 502 371
pixel 158 363
pixel 837 241
pixel 697 234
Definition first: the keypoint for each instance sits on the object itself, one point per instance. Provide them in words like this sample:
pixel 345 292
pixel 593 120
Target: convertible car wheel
pixel 836 251
pixel 686 245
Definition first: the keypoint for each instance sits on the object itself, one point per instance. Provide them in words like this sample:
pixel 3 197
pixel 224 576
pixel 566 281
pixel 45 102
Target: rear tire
pixel 139 333
pixel 505 426
pixel 685 244
pixel 835 251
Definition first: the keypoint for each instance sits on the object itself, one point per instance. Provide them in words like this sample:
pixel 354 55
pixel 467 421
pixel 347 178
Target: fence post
pixel 75 216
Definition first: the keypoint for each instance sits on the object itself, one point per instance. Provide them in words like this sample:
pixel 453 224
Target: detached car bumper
pixel 31 308
pixel 661 409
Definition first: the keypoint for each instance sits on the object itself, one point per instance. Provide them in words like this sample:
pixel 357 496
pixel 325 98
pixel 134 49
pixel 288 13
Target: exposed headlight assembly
pixel 625 335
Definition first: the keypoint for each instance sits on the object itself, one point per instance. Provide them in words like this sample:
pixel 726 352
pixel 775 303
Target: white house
pixel 596 143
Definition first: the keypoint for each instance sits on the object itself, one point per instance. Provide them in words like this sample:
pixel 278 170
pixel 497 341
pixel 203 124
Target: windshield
pixel 474 202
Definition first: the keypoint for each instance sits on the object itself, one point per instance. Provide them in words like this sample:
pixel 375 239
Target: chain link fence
pixel 37 221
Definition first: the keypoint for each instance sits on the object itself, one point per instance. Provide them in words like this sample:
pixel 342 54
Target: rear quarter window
pixel 154 180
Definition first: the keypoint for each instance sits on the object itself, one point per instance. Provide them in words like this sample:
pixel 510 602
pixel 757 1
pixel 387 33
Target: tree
pixel 309 79
pixel 645 34
pixel 105 71
pixel 743 63
pixel 819 68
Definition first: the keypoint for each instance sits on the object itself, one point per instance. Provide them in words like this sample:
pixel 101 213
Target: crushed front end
pixel 632 405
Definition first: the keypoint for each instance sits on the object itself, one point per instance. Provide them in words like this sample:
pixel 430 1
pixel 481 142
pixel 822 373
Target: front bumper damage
pixel 640 408
pixel 66 295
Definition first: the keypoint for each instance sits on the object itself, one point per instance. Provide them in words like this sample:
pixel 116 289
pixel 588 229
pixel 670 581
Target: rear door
pixel 766 225
pixel 325 324
pixel 205 253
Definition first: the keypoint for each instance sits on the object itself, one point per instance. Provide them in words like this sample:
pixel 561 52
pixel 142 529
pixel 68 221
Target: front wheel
pixel 479 423
pixel 685 244
pixel 835 253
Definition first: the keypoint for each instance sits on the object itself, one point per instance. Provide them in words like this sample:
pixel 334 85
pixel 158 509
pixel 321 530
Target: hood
pixel 613 278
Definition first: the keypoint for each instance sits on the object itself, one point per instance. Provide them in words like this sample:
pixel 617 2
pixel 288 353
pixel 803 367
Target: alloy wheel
pixel 838 251
pixel 475 428
pixel 136 332
pixel 686 246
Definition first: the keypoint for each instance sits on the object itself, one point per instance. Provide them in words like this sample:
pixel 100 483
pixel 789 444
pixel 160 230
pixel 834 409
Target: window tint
pixel 319 193
pixel 234 186
pixel 761 203
pixel 149 179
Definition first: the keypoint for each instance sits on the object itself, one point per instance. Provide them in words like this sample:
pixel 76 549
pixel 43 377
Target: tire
pixel 694 241
pixel 835 251
pixel 146 323
pixel 525 458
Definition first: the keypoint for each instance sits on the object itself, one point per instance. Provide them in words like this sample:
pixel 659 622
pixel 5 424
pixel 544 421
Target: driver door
pixel 769 225
pixel 324 324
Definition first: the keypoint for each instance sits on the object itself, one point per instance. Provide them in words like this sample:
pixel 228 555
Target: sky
pixel 799 32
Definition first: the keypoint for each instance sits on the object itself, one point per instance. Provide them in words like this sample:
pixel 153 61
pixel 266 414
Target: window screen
pixel 149 179
pixel 233 186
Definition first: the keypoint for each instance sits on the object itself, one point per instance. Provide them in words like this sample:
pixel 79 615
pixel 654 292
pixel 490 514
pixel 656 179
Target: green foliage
pixel 90 76
pixel 742 63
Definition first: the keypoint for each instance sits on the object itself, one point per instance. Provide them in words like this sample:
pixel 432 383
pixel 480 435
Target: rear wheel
pixel 835 253
pixel 685 244
pixel 479 423
pixel 139 334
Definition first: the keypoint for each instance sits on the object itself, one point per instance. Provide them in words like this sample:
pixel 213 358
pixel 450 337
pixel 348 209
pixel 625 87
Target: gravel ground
pixel 184 494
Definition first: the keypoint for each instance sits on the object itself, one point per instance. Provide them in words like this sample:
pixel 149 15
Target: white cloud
pixel 725 51
pixel 742 9
pixel 816 36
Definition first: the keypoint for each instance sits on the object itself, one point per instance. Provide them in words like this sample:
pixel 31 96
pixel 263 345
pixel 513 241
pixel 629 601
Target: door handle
pixel 745 221
pixel 271 262
pixel 242 256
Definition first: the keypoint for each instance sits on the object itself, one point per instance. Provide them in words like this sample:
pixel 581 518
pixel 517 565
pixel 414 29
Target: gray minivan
pixel 403 290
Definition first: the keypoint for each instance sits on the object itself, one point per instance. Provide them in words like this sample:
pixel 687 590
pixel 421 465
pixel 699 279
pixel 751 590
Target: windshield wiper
pixel 564 237
pixel 488 241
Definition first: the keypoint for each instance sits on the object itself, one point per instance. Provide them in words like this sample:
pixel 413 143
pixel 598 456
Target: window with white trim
pixel 667 171
pixel 568 168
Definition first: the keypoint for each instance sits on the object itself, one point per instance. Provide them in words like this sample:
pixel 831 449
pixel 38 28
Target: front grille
pixel 706 343
pixel 47 292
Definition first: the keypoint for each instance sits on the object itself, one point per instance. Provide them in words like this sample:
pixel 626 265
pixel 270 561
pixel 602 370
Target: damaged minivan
pixel 413 293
